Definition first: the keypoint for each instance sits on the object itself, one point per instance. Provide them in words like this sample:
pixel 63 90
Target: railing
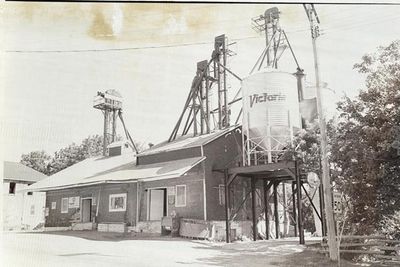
pixel 382 249
pixel 100 101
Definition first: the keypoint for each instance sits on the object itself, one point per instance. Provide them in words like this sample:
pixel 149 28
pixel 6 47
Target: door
pixel 157 204
pixel 86 210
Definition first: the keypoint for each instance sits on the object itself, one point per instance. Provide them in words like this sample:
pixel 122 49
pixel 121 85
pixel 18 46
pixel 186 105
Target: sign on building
pixel 171 195
pixel 73 202
pixel 337 202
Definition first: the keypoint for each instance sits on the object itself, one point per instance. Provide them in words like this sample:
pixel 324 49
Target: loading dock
pixel 272 175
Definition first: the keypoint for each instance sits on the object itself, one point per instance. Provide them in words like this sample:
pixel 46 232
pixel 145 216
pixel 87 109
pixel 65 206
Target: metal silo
pixel 270 114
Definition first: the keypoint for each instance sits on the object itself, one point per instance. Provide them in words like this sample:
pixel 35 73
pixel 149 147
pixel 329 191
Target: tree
pixel 363 148
pixel 68 156
pixel 37 160
pixel 90 147
pixel 306 150
pixel 390 225
pixel 364 144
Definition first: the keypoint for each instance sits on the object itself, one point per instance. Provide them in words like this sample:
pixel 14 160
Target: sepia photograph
pixel 200 133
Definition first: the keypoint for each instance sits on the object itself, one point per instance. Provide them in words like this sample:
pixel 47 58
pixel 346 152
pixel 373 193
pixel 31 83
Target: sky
pixel 55 57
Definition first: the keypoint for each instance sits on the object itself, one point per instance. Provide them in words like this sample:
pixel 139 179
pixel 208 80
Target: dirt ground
pixel 91 248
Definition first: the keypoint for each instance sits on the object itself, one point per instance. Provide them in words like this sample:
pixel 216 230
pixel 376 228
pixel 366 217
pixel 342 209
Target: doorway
pixel 86 210
pixel 157 204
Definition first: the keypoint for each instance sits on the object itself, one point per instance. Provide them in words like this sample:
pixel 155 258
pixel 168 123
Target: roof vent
pixel 118 148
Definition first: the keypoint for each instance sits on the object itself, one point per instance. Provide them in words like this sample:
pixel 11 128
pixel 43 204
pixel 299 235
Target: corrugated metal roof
pixel 122 168
pixel 162 170
pixel 186 142
pixel 89 167
pixel 18 172
pixel 128 172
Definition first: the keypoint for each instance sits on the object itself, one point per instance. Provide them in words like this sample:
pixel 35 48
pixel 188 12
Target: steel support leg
pixel 294 209
pixel 266 207
pixel 276 210
pixel 105 132
pixel 253 207
pixel 227 204
pixel 299 205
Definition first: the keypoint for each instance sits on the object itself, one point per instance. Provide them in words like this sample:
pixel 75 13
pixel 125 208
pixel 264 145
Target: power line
pixel 360 24
pixel 141 31
pixel 124 48
pixel 343 27
pixel 105 49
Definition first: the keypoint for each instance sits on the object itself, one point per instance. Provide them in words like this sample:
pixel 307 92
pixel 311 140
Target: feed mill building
pixel 124 191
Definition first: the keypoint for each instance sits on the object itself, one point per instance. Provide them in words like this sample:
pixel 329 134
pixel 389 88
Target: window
pixel 117 202
pixel 221 194
pixel 29 193
pixel 11 189
pixel 64 205
pixel 180 196
pixel 53 205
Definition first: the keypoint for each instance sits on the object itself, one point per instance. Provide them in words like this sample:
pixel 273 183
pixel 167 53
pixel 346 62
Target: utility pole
pixel 326 181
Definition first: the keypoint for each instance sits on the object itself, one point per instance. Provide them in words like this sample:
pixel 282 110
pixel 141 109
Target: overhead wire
pixel 350 23
pixel 360 24
pixel 157 28
pixel 145 30
pixel 126 48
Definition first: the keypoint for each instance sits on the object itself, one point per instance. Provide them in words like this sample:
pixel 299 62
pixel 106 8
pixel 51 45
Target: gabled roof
pixel 87 168
pixel 123 168
pixel 187 141
pixel 155 171
pixel 18 172
pixel 116 169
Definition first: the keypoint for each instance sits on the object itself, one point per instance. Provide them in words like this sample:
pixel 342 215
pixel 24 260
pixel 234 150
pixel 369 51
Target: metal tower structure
pixel 198 113
pixel 110 103
pixel 220 55
pixel 261 161
pixel 269 24
pixel 267 149
pixel 199 116
pixel 276 41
